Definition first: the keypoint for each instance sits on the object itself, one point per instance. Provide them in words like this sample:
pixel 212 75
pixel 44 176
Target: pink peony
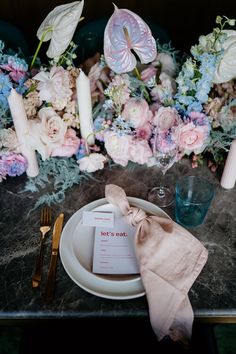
pixel 69 146
pixel 137 112
pixel 118 147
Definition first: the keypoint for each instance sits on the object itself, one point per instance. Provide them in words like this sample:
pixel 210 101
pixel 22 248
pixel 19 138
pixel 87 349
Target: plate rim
pixel 72 223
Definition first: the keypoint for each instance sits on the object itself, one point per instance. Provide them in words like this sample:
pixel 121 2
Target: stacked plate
pixel 76 252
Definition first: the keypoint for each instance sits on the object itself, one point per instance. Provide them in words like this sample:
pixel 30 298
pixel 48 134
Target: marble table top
pixel 213 295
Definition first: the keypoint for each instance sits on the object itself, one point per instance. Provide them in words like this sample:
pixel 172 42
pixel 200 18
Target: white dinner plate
pixel 76 252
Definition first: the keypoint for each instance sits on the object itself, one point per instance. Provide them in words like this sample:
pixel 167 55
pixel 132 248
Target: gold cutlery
pixel 50 285
pixel 45 226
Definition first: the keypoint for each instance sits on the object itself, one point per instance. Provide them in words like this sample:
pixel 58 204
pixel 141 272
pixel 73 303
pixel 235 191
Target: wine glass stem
pixel 161 191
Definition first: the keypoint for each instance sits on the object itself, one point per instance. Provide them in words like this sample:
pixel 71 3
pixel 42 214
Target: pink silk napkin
pixel 170 259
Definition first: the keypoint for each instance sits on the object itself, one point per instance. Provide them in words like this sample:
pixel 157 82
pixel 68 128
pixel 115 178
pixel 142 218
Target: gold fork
pixel 45 226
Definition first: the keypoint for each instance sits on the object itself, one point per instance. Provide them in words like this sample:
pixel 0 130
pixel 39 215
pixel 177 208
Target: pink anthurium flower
pixel 124 32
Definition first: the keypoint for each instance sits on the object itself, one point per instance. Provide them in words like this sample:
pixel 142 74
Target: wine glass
pixel 162 195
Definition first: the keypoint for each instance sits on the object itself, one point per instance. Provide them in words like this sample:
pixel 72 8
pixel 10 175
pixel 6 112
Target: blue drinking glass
pixel 193 198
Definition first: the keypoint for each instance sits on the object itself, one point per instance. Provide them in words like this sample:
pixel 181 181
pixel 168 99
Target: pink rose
pixel 118 147
pixel 46 133
pixel 165 118
pixel 192 138
pixel 140 151
pixel 137 112
pixel 69 146
pixel 52 127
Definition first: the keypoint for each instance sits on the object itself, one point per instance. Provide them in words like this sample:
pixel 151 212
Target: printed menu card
pixel 114 251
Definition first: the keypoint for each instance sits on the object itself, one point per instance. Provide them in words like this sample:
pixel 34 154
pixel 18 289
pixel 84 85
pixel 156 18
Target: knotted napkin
pixel 170 259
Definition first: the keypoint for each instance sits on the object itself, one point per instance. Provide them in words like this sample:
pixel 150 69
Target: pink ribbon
pixel 170 259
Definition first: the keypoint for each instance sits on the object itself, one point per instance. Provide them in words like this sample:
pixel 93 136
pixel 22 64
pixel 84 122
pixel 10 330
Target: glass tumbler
pixel 193 198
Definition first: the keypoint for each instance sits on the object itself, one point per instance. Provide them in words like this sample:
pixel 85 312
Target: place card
pixel 114 251
pixel 95 218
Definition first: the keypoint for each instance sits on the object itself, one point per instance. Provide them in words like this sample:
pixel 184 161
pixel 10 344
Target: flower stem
pixel 39 46
pixel 144 88
pixel 137 73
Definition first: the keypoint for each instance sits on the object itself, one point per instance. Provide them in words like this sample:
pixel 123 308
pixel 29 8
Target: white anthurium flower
pixel 226 69
pixel 59 27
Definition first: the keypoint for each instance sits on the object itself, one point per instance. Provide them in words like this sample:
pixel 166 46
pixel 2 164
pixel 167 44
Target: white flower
pixel 8 139
pixel 60 25
pixel 167 63
pixel 54 86
pixel 92 163
pixel 226 69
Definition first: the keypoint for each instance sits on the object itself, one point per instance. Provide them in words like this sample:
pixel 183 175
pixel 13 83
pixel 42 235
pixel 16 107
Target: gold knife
pixel 50 285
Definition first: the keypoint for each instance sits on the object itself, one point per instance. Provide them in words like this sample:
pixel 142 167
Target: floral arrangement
pixel 55 119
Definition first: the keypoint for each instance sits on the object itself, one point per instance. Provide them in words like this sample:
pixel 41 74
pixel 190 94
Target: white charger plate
pixel 76 252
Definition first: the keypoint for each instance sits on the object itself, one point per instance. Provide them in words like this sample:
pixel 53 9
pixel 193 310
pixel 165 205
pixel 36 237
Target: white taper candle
pixel 85 108
pixel 19 117
pixel 229 173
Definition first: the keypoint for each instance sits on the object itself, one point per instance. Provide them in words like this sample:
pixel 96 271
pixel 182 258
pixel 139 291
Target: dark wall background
pixel 184 20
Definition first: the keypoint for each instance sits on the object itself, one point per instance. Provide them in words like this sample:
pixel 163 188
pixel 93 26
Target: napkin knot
pixel 135 216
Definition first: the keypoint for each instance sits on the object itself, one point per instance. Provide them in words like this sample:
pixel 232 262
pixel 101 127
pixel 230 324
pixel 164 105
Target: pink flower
pixel 164 142
pixel 53 128
pixel 92 163
pixel 165 89
pixel 165 118
pixel 154 107
pixel 144 132
pixel 140 151
pixel 194 164
pixel 47 133
pixel 69 146
pixel 148 73
pixel 118 147
pixel 192 138
pixel 137 112
pixel 17 69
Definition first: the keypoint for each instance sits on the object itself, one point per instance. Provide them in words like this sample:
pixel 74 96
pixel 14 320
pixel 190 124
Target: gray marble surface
pixel 213 294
